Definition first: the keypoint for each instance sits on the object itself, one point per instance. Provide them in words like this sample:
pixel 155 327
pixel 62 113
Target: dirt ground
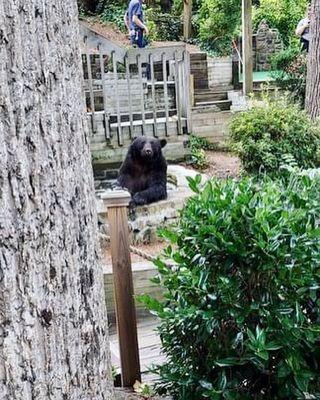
pixel 221 165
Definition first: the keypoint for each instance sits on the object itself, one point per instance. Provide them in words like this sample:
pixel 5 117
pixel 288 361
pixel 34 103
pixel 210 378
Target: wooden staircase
pixel 211 109
pixel 216 97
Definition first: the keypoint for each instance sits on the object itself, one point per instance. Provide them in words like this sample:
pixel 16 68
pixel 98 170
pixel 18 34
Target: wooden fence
pixel 133 92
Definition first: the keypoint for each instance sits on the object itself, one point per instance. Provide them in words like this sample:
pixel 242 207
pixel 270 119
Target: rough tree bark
pixel 53 331
pixel 313 76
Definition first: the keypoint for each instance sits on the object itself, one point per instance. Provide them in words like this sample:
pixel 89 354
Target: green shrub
pixel 240 319
pixel 197 146
pixel 290 72
pixel 265 134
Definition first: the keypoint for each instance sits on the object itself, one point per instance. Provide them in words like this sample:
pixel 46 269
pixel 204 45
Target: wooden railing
pixel 138 91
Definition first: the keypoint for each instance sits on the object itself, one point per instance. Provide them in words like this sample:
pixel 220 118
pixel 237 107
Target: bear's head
pixel 147 149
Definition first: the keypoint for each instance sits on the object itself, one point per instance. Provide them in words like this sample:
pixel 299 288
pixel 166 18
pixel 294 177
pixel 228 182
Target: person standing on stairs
pixel 133 20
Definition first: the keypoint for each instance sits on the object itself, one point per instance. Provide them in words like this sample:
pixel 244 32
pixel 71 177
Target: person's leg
pixel 141 44
pixel 132 40
pixel 140 41
pixel 304 45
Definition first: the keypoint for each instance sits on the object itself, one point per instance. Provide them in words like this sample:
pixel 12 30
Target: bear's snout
pixel 147 150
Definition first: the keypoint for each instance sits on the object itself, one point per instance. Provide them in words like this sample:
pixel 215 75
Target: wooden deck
pixel 149 347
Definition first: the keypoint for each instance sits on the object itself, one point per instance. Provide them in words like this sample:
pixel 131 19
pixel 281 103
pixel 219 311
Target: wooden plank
pixel 115 74
pixel 188 91
pixel 153 94
pixel 104 95
pixel 165 89
pixel 92 105
pixel 157 52
pixel 129 96
pixel 146 122
pixel 138 60
pixel 247 46
pixel 124 294
pixel 178 95
pixel 192 91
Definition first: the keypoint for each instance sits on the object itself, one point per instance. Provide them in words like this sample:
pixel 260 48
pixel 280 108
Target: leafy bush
pixel 198 145
pixel 241 316
pixel 283 15
pixel 290 72
pixel 263 135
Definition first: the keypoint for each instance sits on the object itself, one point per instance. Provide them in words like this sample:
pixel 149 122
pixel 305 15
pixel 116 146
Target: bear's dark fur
pixel 144 171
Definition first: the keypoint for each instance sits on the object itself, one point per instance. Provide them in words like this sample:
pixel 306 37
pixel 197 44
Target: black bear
pixel 144 171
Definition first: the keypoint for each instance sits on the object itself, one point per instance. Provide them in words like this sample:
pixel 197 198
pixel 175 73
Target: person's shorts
pixel 137 38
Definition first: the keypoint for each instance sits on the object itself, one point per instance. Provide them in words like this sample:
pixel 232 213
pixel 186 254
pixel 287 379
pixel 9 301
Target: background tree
pixel 89 6
pixel 313 76
pixel 53 330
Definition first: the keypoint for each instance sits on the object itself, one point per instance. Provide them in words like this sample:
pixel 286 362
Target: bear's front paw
pixel 138 200
pixel 132 204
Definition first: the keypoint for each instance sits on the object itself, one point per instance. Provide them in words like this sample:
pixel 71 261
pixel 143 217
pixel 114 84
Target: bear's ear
pixel 163 142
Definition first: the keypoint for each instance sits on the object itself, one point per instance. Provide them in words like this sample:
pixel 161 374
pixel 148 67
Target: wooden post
pixel 247 46
pixel 117 202
pixel 191 92
pixel 187 14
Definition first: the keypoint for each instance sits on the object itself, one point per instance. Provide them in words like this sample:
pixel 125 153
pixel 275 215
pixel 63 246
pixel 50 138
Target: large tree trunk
pixel 53 331
pixel 313 78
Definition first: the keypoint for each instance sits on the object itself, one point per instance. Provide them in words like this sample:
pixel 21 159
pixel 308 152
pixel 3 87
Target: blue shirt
pixel 135 8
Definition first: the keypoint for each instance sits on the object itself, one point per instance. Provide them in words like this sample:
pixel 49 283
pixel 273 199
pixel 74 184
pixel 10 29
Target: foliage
pixel 198 146
pixel 283 15
pixel 143 389
pixel 290 72
pixel 219 22
pixel 240 319
pixel 163 26
pixel 263 135
pixel 114 13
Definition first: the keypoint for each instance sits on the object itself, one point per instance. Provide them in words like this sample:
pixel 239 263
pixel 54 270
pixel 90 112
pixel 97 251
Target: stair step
pixel 210 96
pixel 198 56
pixel 201 83
pixel 222 104
pixel 221 88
